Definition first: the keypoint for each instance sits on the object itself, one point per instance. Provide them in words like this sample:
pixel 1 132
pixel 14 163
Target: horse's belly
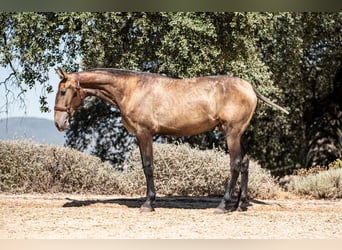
pixel 186 125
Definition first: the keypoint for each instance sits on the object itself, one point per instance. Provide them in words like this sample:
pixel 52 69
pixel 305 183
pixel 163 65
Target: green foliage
pixel 336 164
pixel 188 46
pixel 30 45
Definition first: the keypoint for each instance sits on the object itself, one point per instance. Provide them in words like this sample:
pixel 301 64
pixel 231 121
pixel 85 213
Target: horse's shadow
pixel 183 202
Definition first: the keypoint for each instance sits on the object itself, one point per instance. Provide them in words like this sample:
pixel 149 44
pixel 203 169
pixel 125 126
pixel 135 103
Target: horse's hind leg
pixel 243 201
pixel 222 207
pixel 234 146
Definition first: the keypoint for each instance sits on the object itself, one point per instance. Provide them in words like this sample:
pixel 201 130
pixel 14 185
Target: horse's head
pixel 68 98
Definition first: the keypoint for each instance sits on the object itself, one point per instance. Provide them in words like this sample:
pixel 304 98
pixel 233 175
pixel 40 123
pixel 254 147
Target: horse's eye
pixel 63 92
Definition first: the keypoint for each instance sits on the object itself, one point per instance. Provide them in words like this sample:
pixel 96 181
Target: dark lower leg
pixel 243 187
pixel 145 146
pixel 233 141
pixel 150 193
pixel 222 207
pixel 244 181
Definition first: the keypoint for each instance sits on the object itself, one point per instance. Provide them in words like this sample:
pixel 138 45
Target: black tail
pixel 268 101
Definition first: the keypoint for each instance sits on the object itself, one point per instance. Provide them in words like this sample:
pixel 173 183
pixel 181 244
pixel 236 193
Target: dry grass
pixel 182 170
pixel 325 184
pixel 317 182
pixel 27 167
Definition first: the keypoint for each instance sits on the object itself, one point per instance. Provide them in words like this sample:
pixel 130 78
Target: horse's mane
pixel 123 72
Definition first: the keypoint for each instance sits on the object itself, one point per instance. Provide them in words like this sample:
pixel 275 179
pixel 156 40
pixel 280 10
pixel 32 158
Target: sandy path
pixel 64 216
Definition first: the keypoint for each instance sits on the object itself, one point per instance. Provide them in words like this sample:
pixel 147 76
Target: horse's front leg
pixel 146 151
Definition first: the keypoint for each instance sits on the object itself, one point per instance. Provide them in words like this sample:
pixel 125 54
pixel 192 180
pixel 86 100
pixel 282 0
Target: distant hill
pixel 37 129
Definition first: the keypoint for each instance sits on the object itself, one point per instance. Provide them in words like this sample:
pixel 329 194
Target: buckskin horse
pixel 154 104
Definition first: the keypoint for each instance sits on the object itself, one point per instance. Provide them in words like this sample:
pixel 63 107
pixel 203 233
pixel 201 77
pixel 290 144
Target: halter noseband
pixel 76 89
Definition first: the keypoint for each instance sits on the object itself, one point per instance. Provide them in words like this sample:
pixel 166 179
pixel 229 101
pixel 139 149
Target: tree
pixel 315 58
pixel 290 57
pixel 32 43
pixel 322 113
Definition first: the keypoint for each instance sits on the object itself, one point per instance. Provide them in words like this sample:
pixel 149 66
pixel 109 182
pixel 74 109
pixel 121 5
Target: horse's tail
pixel 268 101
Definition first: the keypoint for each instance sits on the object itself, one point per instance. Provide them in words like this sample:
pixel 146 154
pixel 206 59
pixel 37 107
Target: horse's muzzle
pixel 62 127
pixel 62 122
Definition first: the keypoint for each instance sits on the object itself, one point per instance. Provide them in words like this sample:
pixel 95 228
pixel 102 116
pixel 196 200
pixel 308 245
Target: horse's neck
pixel 102 86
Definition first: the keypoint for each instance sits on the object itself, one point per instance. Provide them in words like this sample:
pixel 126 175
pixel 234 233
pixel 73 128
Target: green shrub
pixel 336 164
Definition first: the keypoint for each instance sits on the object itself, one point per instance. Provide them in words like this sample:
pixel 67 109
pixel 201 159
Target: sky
pixel 32 108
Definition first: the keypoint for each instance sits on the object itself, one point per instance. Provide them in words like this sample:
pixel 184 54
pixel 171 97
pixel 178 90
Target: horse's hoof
pixel 243 206
pixel 219 211
pixel 145 209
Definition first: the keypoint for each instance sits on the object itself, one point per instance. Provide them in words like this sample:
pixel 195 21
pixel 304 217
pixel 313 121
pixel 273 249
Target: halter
pixel 77 89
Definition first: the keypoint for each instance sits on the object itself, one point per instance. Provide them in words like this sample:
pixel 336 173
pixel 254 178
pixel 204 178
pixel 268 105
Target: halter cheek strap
pixel 78 88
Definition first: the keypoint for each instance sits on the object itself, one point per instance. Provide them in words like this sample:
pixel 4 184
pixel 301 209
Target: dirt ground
pixel 65 216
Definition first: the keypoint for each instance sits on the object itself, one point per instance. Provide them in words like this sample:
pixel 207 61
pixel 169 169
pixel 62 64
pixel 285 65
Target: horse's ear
pixel 61 73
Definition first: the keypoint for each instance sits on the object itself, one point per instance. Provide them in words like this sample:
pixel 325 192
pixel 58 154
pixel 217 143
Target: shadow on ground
pixel 184 202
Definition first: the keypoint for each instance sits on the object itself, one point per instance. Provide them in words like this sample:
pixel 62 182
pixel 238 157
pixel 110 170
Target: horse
pixel 156 104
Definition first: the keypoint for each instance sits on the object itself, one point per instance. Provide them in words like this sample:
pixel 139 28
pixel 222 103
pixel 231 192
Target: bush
pixel 323 184
pixel 316 169
pixel 310 171
pixel 336 164
pixel 29 167
pixel 179 170
pixel 182 170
